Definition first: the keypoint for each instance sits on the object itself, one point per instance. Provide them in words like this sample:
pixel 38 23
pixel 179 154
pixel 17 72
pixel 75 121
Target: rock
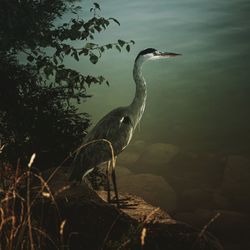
pixel 178 237
pixel 142 210
pixel 90 223
pixel 155 158
pixel 154 189
pixel 236 182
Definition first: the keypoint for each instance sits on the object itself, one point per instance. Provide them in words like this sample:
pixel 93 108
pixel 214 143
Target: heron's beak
pixel 167 54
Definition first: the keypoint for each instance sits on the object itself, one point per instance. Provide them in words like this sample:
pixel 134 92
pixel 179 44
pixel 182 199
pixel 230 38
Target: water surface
pixel 197 101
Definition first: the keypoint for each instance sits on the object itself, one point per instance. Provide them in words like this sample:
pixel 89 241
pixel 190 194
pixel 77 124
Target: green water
pixel 197 101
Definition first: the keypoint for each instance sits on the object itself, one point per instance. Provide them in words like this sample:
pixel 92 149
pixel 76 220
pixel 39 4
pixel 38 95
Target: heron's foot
pixel 124 203
pixel 115 200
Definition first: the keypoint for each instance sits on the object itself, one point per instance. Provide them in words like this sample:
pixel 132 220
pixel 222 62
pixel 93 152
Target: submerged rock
pixel 128 158
pixel 236 175
pixel 156 157
pixel 203 171
pixel 230 227
pixel 122 171
pixel 154 189
pixel 192 199
pixel 198 218
pixel 236 182
pixel 137 146
pixel 220 201
pixel 132 153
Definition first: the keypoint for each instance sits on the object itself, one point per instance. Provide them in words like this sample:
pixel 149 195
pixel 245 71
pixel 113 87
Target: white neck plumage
pixel 138 104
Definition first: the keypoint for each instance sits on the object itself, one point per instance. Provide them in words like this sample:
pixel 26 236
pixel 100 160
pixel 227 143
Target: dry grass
pixel 19 229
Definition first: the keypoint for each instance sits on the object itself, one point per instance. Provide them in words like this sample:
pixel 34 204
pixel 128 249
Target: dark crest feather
pixel 145 51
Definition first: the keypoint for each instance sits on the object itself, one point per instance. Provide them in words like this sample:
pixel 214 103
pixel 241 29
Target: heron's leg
pixel 115 185
pixel 114 181
pixel 108 182
pixel 121 203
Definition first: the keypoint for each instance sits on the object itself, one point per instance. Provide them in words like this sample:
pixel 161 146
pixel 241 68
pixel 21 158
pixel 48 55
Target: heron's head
pixel 153 54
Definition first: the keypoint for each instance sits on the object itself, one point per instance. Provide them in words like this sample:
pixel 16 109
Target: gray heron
pixel 116 128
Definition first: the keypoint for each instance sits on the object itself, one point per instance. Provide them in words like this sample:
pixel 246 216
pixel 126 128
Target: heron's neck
pixel 138 104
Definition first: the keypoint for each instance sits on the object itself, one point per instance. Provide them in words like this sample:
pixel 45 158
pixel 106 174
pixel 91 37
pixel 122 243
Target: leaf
pixel 48 71
pixel 84 51
pixel 128 47
pixel 97 6
pixel 115 20
pixel 75 54
pixel 121 42
pixel 101 79
pixel 107 82
pixel 109 46
pixel 67 51
pixel 118 48
pixel 132 41
pixel 93 58
pixel 98 28
pixel 30 58
pixel 57 77
pixel 90 79
pixel 54 60
pixel 84 35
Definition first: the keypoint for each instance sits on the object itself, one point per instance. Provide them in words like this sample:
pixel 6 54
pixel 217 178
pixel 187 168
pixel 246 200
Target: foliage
pixel 38 92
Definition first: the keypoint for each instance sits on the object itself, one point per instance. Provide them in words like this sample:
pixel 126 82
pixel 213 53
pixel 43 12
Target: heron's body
pixel 117 126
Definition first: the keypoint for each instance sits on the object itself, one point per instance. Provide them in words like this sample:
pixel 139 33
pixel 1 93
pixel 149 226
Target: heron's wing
pixel 117 128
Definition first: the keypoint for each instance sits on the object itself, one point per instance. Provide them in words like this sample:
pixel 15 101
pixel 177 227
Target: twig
pixel 204 229
pixel 28 212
